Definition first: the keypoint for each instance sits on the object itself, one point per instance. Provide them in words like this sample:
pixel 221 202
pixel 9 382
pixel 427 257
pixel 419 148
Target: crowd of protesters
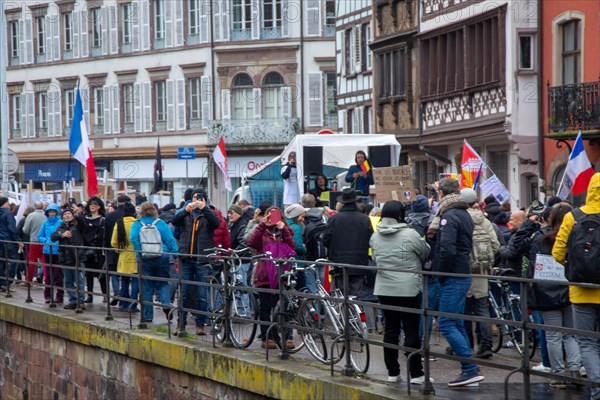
pixel 450 232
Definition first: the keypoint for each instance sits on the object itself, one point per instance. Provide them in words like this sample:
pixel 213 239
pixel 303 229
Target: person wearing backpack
pixel 485 246
pixel 579 258
pixel 420 216
pixel 152 239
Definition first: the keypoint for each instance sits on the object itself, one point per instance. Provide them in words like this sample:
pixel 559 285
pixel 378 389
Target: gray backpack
pixel 150 240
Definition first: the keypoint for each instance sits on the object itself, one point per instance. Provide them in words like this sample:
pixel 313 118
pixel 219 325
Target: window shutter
pixel 21 45
pixel 286 102
pixel 57 105
pixel 83 34
pixel 135 26
pixel 343 122
pixel 28 41
pixel 56 37
pixel 225 20
pixel 204 22
pixel 181 110
pixel 50 107
pixel 116 110
pixel 179 24
pixel 361 120
pixel 137 107
pixel 355 120
pixel 85 104
pixel 257 99
pixel 344 53
pixel 168 16
pixel 216 9
pixel 356 49
pixel 114 29
pixel 256 23
pixel 31 114
pixel 313 18
pixel 205 97
pixel 145 17
pixel 363 46
pixel 285 19
pixel 106 96
pixel 104 29
pixel 226 104
pixel 48 31
pixel 76 36
pixel 315 99
pixel 147 98
pixel 23 100
pixel 170 105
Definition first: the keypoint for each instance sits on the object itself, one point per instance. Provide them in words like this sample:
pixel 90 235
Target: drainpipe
pixel 212 61
pixel 540 41
pixel 303 92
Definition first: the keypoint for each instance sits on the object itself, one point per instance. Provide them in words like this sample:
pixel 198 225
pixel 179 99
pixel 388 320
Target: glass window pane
pixel 525 59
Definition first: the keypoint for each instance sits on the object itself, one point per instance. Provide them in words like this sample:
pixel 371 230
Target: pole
pixel 4 107
pixel 186 174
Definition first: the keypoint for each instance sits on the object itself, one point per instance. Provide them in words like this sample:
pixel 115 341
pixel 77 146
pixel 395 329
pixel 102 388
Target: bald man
pixel 517 218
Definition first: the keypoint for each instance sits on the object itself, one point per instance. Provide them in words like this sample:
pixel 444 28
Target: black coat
pixel 347 238
pixel 454 241
pixel 196 230
pixel 518 247
pixel 66 255
pixel 236 233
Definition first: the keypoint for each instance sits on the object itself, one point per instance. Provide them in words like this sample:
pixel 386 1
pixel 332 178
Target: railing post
pixel 7 270
pixel 348 370
pixel 284 355
pixel 108 316
pixel 78 309
pixel 227 290
pixel 428 388
pixel 51 274
pixel 142 324
pixel 526 344
pixel 28 277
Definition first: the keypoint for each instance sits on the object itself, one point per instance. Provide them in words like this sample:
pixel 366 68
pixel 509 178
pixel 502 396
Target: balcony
pixel 574 107
pixel 254 131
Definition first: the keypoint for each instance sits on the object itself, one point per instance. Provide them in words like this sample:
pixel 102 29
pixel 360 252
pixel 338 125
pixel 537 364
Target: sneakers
pixel 466 379
pixel 394 378
pixel 420 380
pixel 541 368
pixel 180 330
pixel 484 353
pixel 290 344
pixel 70 306
pixel 200 330
pixel 558 384
pixel 582 372
pixel 268 343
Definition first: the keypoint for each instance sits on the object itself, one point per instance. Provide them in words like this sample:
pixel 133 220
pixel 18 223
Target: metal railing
pixel 574 107
pixel 9 262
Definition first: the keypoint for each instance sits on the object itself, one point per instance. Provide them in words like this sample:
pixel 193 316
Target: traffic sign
pixel 186 153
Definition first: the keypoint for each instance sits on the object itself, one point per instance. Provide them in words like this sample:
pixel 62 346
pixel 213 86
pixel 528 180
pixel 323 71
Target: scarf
pixel 447 202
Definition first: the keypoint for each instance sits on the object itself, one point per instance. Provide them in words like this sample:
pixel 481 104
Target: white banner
pixel 547 268
pixel 493 186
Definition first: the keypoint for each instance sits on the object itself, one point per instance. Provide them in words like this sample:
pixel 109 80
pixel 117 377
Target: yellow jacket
pixel 127 262
pixel 579 295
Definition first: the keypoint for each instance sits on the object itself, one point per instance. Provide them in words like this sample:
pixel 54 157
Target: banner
pixel 578 172
pixel 390 180
pixel 470 166
pixel 493 186
pixel 547 268
pixel 220 158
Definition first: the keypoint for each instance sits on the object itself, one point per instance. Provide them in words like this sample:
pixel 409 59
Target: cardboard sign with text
pixel 394 179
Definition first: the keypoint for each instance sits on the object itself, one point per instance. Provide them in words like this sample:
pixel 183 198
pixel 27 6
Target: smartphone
pixel 274 216
pixel 72 200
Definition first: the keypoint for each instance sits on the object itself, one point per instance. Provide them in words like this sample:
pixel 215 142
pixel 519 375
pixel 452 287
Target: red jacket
pixel 262 236
pixel 222 232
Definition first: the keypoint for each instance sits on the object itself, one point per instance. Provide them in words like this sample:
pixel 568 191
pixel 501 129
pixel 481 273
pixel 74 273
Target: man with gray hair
pixel 453 228
pixel 33 224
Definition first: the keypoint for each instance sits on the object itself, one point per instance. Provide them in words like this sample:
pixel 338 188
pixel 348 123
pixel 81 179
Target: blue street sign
pixel 186 153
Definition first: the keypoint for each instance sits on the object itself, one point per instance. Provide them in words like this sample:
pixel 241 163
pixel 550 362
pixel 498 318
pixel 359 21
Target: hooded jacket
pixel 196 229
pixel 262 236
pixel 48 228
pixel 479 286
pixel 222 237
pixel 398 247
pixel 300 249
pixel 66 255
pixel 579 295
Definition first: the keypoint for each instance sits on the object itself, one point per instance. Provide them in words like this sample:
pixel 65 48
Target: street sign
pixel 186 153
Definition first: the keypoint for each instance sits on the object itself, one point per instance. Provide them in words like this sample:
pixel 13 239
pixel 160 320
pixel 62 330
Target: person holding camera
pixel 289 173
pixel 197 224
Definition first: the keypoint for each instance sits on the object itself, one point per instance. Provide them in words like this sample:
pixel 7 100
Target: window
pixel 42 110
pixel 525 52
pixel 391 72
pixel 368 54
pixel 96 22
pixel 330 93
pixel 159 19
pixel 571 52
pixel 329 28
pixel 195 99
pixel 40 25
pixel 69 96
pixel 129 103
pixel 68 31
pixel 14 38
pixel 98 106
pixel 242 15
pixel 349 120
pixel 272 13
pixel 271 95
pixel 161 101
pixel 368 119
pixel 126 22
pixel 243 105
pixel 16 112
pixel 194 16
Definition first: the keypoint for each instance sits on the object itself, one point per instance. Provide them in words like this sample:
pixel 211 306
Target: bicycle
pixel 326 315
pixel 508 310
pixel 234 308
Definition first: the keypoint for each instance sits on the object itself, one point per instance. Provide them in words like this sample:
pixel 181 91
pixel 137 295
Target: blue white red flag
pixel 79 145
pixel 578 173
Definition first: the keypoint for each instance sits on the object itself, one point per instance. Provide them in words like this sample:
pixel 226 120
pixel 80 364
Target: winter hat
pixel 421 204
pixel 236 209
pixel 295 210
pixel 3 200
pixel 123 199
pixel 66 210
pixel 469 195
pixel 553 200
pixel 490 199
pixel 264 206
pixel 169 207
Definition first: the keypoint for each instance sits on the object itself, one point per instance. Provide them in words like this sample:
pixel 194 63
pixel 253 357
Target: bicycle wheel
pixel 292 346
pixel 515 335
pixel 359 351
pixel 309 316
pixel 244 309
pixel 497 337
pixel 216 304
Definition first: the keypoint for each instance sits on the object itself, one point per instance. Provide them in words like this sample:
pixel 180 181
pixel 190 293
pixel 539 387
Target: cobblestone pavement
pixel 442 370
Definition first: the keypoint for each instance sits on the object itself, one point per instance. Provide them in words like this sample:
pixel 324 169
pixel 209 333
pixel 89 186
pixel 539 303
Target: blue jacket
pixel 360 183
pixel 300 248
pixel 8 225
pixel 48 228
pixel 168 241
pixel 454 241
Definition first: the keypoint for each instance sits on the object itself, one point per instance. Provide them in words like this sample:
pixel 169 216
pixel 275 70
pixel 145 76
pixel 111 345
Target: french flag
pixel 79 145
pixel 578 173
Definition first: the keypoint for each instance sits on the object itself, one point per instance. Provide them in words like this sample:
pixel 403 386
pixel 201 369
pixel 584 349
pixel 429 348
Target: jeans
pixel 453 292
pixel 135 289
pixel 73 278
pixel 154 267
pixel 555 340
pixel 192 270
pixel 53 276
pixel 9 269
pixel 587 317
pixel 540 336
pixel 478 307
pixel 409 323
pixel 173 282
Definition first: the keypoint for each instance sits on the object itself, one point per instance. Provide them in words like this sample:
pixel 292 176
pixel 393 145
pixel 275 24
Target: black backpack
pixel 313 234
pixel 583 244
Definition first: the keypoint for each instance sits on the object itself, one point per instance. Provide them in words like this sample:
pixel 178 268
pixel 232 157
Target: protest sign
pixel 547 268
pixel 394 183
